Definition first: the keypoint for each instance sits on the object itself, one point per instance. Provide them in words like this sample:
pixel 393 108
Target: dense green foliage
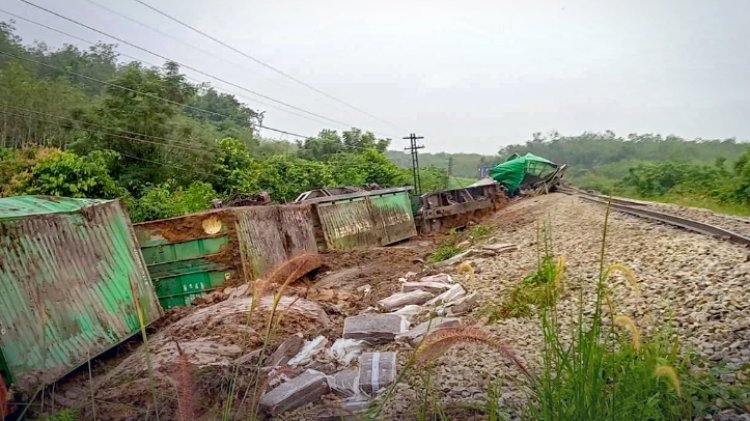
pixel 709 173
pixel 149 136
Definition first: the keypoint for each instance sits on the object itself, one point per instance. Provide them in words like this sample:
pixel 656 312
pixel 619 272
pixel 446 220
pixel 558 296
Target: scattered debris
pixel 374 328
pixel 309 350
pixel 301 390
pixel 288 349
pixel 346 350
pixel 409 311
pixel 345 411
pixel 454 293
pixel 345 383
pixel 456 259
pixel 429 286
pixel 500 247
pixel 401 299
pixel 443 278
pixel 463 305
pixel 377 370
pixel 414 335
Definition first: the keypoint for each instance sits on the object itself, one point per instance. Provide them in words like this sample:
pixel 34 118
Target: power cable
pixel 187 66
pixel 264 64
pixel 114 85
pixel 109 134
pixel 137 59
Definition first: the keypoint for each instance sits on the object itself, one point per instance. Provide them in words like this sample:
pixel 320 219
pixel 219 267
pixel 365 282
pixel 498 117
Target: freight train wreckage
pixel 77 278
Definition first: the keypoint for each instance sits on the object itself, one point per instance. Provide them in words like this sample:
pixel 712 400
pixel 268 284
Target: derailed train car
pixel 73 284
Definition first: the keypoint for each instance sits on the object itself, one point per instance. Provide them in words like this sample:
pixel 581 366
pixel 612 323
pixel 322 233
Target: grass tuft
pixel 671 375
pixel 628 323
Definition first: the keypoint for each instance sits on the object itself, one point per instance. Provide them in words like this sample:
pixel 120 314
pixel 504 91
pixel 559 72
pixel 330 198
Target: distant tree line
pixel 148 135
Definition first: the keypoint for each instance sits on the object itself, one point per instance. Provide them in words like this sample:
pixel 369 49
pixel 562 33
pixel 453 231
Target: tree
pixel 67 174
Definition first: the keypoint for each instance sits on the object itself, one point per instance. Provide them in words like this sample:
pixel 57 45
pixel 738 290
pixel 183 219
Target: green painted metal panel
pixel 71 281
pixel 188 256
pixel 23 206
pixel 372 219
pixel 187 260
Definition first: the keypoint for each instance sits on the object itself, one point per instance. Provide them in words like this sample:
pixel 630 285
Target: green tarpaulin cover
pixel 512 172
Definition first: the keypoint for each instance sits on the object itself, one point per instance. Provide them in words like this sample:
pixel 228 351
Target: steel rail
pixel 626 206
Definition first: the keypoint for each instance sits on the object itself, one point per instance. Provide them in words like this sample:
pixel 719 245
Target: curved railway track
pixel 639 209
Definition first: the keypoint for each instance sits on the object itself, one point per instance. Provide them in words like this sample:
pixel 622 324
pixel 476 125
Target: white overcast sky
pixel 470 76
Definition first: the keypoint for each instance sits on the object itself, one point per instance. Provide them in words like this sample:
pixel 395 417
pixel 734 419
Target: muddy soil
pixel 213 336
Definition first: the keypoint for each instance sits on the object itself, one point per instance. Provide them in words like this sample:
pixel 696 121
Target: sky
pixel 469 76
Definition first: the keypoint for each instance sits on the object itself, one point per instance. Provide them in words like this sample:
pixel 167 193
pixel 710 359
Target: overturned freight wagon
pixel 451 208
pixel 72 285
pixel 361 219
pixel 191 255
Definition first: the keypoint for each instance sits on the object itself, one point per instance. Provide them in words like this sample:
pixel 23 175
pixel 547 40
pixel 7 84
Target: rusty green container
pixel 191 255
pixel 71 282
pixel 364 219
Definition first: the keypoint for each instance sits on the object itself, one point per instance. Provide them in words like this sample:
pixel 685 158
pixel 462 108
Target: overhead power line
pixel 187 66
pixel 138 59
pixel 134 139
pixel 264 64
pixel 114 85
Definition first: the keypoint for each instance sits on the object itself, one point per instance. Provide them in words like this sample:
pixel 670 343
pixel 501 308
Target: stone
pixel 463 305
pixel 377 370
pixel 345 383
pixel 373 327
pixel 289 348
pixel 401 299
pixel 301 390
pixel 454 293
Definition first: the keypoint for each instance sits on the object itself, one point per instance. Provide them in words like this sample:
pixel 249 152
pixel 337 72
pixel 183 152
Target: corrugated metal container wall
pixel 69 269
pixel 365 219
pixel 191 255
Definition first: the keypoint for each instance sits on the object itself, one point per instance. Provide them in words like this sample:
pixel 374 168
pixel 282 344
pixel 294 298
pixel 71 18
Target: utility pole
pixel 414 148
pixel 450 171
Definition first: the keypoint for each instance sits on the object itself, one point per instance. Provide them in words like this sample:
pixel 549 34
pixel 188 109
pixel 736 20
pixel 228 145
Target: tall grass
pixel 597 370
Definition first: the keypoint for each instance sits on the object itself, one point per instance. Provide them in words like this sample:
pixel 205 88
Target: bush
pixel 167 201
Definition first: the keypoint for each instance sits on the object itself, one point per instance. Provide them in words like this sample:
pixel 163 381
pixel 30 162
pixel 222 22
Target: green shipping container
pixel 191 255
pixel 71 282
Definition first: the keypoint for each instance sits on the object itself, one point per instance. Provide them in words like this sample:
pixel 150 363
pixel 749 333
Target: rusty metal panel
pixel 348 224
pixel 375 218
pixel 71 282
pixel 261 238
pixel 297 226
pixel 393 212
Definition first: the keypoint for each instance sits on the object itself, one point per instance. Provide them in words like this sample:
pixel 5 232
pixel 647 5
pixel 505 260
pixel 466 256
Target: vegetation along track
pixel 641 209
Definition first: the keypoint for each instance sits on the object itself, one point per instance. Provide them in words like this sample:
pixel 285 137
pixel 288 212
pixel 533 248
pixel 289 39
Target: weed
pixel 478 232
pixel 63 415
pixel 445 250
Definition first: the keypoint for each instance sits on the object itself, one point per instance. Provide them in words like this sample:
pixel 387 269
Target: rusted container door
pixel 269 235
pixel 348 224
pixel 72 283
pixel 394 213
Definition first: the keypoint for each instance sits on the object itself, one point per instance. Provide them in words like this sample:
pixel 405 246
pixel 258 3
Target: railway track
pixel 637 208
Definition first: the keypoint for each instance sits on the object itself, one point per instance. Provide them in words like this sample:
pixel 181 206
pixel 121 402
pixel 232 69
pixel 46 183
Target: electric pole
pixel 450 171
pixel 414 148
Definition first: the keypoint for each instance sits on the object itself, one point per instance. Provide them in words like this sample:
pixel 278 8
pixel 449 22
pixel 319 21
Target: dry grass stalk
pixel 559 272
pixel 438 342
pixel 184 384
pixel 671 375
pixel 626 272
pixel 628 323
pixel 466 267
